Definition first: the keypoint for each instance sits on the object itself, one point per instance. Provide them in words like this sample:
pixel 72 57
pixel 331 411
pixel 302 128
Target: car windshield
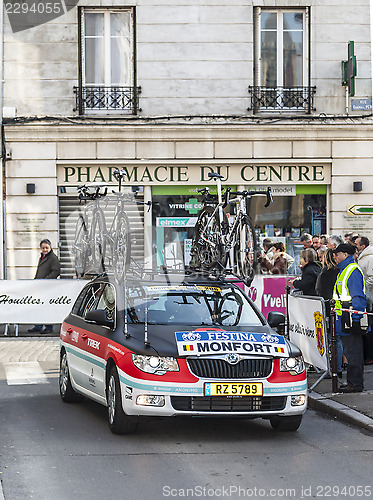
pixel 196 305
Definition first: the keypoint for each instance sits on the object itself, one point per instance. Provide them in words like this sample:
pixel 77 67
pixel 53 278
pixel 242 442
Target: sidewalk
pixel 355 408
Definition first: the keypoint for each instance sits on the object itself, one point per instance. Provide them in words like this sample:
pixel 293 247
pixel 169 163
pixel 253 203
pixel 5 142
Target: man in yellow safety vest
pixel 349 292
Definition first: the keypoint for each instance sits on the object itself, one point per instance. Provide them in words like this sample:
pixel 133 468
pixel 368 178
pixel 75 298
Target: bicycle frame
pixel 228 240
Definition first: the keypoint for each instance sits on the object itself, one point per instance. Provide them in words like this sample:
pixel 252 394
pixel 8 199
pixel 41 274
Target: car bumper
pixel 171 400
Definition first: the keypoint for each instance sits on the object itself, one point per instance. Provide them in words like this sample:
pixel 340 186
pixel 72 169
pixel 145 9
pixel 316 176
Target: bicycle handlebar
pixel 249 194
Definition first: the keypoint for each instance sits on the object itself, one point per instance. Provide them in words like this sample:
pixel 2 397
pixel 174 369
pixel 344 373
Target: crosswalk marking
pixel 22 373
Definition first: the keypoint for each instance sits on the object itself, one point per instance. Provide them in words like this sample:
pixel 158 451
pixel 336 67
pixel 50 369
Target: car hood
pixel 162 338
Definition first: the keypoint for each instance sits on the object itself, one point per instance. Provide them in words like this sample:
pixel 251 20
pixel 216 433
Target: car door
pixel 97 339
pixel 80 360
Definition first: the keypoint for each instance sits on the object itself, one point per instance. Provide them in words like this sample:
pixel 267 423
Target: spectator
pixel 350 237
pixel 267 247
pixel 334 241
pixel 324 239
pixel 266 253
pixel 306 240
pixel 279 263
pixel 48 268
pixel 316 242
pixel 365 261
pixel 349 291
pixel 324 288
pixel 321 252
pixel 310 271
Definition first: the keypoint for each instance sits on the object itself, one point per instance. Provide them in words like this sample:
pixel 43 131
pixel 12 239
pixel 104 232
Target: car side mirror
pixel 98 316
pixel 276 319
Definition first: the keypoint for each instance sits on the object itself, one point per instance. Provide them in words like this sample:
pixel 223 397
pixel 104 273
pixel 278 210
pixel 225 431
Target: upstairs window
pixel 282 59
pixel 107 68
pixel 281 79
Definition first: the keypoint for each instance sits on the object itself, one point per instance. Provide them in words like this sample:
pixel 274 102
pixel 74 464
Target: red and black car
pixel 179 346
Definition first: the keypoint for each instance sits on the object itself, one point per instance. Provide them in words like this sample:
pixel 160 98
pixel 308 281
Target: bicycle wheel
pixel 98 241
pixel 80 246
pixel 121 248
pixel 208 250
pixel 245 250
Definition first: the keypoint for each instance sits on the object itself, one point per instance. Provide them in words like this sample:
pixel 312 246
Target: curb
pixel 342 412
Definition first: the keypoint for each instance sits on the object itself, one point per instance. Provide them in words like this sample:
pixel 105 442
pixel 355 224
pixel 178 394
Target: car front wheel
pixel 286 424
pixel 67 392
pixel 119 422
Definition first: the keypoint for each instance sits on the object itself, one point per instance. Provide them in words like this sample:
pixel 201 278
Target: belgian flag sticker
pixel 278 349
pixel 188 348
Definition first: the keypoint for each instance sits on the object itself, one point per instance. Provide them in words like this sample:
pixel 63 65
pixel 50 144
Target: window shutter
pixel 81 48
pixel 257 12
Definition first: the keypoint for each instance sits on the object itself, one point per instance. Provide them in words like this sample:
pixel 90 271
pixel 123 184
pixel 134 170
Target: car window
pixel 107 302
pixel 78 303
pixel 198 306
pixel 90 299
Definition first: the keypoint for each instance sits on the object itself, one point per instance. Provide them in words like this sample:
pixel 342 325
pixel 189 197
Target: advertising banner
pixel 307 328
pixel 43 302
pixel 268 293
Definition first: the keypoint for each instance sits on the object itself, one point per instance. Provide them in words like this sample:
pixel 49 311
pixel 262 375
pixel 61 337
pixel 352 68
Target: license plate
pixel 222 389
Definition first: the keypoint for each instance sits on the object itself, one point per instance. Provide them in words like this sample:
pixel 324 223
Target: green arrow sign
pixel 349 69
pixel 361 210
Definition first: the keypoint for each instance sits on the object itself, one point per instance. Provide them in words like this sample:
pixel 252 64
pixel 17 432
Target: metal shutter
pixel 69 211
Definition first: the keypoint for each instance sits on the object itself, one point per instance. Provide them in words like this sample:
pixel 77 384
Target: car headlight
pixel 294 366
pixel 155 364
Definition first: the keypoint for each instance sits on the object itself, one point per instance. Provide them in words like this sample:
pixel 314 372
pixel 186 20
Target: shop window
pixel 281 61
pixel 290 216
pixel 107 62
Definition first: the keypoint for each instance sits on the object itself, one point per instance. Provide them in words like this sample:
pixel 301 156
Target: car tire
pixel 286 424
pixel 119 422
pixel 68 395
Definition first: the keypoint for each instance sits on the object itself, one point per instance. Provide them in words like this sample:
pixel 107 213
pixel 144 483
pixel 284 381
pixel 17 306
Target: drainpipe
pixel 371 47
pixel 2 148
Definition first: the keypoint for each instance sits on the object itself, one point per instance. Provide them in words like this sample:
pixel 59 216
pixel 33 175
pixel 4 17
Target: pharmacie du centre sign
pixel 153 174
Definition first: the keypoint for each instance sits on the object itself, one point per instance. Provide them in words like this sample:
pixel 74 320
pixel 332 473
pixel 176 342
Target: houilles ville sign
pixel 148 173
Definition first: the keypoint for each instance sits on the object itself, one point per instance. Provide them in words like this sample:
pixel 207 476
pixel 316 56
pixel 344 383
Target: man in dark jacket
pixel 349 292
pixel 48 268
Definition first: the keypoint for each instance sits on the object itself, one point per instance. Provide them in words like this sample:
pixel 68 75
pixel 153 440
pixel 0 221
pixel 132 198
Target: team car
pixel 179 347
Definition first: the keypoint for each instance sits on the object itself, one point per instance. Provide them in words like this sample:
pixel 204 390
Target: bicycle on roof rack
pixel 214 236
pixel 83 247
pixel 99 241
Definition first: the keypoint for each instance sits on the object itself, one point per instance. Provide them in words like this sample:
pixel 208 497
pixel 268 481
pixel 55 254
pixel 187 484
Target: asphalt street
pixel 52 450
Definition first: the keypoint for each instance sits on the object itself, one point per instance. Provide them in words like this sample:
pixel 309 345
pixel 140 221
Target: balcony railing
pixel 282 99
pixel 98 98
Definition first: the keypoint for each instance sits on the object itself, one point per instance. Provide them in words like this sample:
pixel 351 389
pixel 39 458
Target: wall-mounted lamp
pixel 357 186
pixel 30 188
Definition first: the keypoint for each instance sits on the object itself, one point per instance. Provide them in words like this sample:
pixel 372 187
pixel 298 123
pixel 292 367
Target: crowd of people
pixel 339 268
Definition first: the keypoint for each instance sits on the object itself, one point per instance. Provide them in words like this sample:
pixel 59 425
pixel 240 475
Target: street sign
pixel 361 104
pixel 349 69
pixel 361 209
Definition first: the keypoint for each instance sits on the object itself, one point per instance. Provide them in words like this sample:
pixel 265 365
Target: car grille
pixel 219 368
pixel 228 404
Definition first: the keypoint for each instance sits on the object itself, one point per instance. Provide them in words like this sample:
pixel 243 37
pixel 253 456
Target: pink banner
pixel 268 293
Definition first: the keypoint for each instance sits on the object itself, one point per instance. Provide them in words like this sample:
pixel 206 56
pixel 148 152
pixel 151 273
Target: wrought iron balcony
pixel 282 99
pixel 98 98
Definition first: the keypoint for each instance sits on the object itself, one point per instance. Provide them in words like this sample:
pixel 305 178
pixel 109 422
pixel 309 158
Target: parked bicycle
pixel 214 236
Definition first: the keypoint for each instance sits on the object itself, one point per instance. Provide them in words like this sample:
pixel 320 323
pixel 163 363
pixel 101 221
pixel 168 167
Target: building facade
pixel 169 92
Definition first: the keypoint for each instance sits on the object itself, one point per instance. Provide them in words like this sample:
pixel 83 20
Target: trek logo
pixel 94 344
pixel 221 342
